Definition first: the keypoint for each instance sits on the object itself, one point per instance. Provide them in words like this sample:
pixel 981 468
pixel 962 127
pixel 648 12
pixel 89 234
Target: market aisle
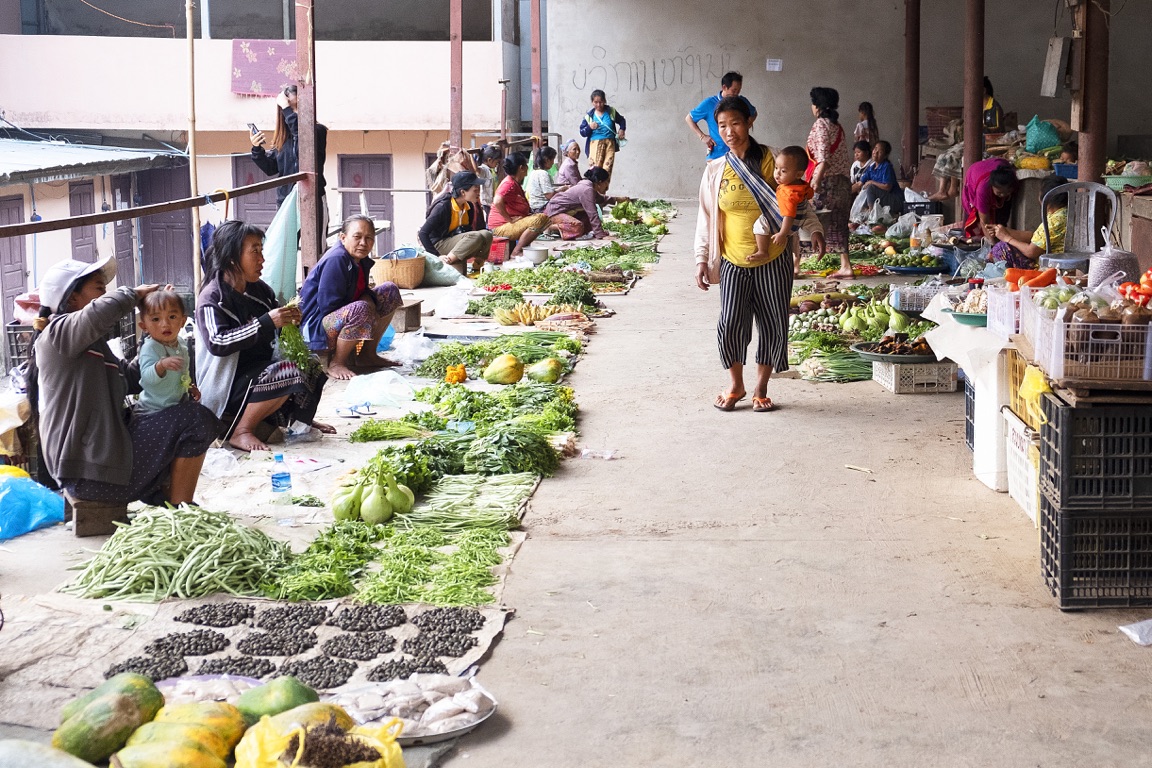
pixel 729 594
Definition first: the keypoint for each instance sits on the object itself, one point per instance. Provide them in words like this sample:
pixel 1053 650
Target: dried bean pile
pixel 218 614
pixel 369 618
pixel 200 642
pixel 452 644
pixel 237 666
pixel 154 667
pixel 450 620
pixel 361 646
pixel 404 668
pixel 277 643
pixel 320 672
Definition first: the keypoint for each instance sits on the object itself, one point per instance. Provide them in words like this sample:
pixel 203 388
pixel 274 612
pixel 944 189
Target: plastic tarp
pixel 282 249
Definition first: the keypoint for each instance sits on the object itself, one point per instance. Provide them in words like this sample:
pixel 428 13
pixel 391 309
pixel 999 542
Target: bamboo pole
pixel 197 275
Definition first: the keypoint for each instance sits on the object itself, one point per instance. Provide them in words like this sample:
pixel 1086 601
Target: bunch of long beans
pixel 461 503
pixel 180 552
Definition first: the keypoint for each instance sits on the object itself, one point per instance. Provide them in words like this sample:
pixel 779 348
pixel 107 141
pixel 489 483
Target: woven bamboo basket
pixel 406 273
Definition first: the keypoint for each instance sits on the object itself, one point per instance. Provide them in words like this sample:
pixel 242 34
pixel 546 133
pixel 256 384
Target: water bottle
pixel 281 481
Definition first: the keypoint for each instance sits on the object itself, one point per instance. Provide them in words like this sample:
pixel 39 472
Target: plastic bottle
pixel 281 481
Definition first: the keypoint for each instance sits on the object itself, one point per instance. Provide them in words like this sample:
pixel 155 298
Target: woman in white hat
pixel 98 450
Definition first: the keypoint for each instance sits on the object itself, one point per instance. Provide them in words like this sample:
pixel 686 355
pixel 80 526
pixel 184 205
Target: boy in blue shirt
pixel 730 85
pixel 163 354
pixel 878 181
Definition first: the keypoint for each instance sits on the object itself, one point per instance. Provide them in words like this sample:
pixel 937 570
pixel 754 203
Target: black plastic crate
pixel 19 338
pixel 1096 457
pixel 969 413
pixel 1103 560
pixel 924 209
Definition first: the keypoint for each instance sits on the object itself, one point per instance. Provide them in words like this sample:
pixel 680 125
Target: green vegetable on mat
pixel 290 342
pixel 472 505
pixel 835 366
pixel 307 500
pixel 510 447
pixel 385 429
pixel 181 552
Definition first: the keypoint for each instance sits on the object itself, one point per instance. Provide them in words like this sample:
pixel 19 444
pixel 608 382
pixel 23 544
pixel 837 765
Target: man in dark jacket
pixel 455 229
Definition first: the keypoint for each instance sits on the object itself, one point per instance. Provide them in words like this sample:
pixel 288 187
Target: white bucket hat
pixel 64 276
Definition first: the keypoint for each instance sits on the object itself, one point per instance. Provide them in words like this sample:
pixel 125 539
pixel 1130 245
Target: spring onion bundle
pixel 835 366
pixel 385 429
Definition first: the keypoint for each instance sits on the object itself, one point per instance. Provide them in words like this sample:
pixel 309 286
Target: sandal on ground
pixel 347 413
pixel 762 404
pixel 726 401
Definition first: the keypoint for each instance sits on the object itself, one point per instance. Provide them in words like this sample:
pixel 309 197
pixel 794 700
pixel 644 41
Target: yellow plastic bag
pixel 1032 388
pixel 264 744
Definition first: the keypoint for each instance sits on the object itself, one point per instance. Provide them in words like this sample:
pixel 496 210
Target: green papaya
pixel 99 729
pixel 272 698
pixel 141 688
pixel 549 370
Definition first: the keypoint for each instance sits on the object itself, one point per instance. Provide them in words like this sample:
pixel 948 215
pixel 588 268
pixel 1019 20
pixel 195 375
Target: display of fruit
pixel 530 314
pixel 505 369
pixel 99 723
pixel 223 718
pixel 910 259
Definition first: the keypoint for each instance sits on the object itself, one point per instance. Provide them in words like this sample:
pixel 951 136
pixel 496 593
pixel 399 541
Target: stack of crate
pixel 1096 504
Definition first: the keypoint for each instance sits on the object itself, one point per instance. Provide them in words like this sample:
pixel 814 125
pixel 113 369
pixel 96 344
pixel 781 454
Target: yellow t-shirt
pixel 738 213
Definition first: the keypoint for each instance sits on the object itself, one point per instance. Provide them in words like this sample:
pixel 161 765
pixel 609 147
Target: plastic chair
pixel 1083 227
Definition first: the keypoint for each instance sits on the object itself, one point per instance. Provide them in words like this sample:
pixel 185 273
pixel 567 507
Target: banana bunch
pixel 530 314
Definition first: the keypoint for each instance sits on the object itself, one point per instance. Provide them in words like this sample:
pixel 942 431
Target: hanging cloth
pixel 760 189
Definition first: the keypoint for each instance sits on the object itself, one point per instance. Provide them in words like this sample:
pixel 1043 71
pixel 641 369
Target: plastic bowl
pixel 967 318
pixel 537 255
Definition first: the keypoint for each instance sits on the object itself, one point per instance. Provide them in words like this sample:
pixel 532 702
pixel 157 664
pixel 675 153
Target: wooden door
pixel 372 172
pixel 166 238
pixel 125 252
pixel 257 209
pixel 82 200
pixel 13 260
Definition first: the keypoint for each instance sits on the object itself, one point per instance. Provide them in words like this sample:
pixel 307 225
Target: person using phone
pixel 281 157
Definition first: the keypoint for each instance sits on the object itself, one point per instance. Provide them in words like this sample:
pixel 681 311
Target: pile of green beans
pixel 180 552
pixel 462 503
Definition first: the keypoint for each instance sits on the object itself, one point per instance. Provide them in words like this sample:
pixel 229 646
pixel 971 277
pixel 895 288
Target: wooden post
pixel 456 43
pixel 974 83
pixel 197 272
pixel 537 74
pixel 1094 96
pixel 910 146
pixel 308 192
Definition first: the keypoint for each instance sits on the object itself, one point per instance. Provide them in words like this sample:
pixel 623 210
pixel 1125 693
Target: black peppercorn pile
pixel 154 667
pixel 200 642
pixel 460 620
pixel 218 614
pixel 277 643
pixel 320 672
pixel 362 646
pixel 238 666
pixel 369 618
pixel 293 617
pixel 433 643
pixel 404 668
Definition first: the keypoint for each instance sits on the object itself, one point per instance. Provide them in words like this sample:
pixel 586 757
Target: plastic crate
pixel 1096 456
pixel 915 378
pixel 1100 351
pixel 1017 365
pixel 19 338
pixel 916 298
pixel 969 413
pixel 1066 170
pixel 1119 182
pixel 1022 453
pixel 1036 325
pixel 1101 560
pixel 1003 311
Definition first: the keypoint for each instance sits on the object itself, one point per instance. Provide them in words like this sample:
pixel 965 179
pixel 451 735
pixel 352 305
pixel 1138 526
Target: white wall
pixel 657 60
pixel 108 83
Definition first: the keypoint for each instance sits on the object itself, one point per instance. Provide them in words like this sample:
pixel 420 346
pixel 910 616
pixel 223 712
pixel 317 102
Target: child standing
pixel 866 129
pixel 792 192
pixel 163 354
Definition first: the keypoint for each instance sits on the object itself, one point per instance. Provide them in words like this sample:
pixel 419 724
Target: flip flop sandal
pixel 347 413
pixel 762 404
pixel 726 401
pixel 363 409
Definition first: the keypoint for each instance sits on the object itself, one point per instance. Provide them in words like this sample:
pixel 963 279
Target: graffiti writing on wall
pixel 685 67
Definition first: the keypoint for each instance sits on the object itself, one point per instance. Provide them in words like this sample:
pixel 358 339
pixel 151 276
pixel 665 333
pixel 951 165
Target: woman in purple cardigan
pixel 342 314
pixel 580 201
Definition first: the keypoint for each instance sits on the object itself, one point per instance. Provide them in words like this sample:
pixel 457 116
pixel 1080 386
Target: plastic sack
pixel 25 506
pixel 384 388
pixel 454 303
pixel 880 214
pixel 859 212
pixel 1032 388
pixel 903 226
pixel 264 745
pixel 413 348
pixel 1140 632
pixel 1041 135
pixel 281 249
pixel 218 463
pixel 912 196
pixel 437 274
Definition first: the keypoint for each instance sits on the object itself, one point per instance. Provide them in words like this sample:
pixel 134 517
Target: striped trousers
pixel 762 294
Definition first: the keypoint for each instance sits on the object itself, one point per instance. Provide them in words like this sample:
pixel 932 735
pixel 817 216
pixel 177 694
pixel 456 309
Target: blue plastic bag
pixel 25 505
pixel 386 339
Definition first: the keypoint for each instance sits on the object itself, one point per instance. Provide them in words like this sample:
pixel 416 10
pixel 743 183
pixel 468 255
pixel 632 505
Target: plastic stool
pixel 499 250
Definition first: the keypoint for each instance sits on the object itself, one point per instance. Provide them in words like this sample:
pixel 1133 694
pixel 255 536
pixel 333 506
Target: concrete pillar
pixel 1094 121
pixel 456 108
pixel 974 83
pixel 910 144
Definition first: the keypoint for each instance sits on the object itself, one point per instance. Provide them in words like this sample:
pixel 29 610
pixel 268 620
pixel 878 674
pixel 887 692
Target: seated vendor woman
pixel 455 227
pixel 511 215
pixel 237 325
pixel 343 315
pixel 1023 249
pixel 97 450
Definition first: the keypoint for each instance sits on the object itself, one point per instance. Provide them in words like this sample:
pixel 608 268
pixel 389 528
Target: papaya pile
pixel 99 723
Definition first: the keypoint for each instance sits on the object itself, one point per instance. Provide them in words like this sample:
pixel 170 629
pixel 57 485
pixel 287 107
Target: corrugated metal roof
pixel 24 162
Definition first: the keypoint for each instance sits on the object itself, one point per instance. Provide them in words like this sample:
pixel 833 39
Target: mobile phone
pixel 252 127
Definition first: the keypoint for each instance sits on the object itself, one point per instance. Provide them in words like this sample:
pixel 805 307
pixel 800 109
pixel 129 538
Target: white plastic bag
pixel 218 463
pixel 903 226
pixel 859 212
pixel 912 196
pixel 880 214
pixel 1140 632
pixel 411 348
pixel 454 303
pixel 384 388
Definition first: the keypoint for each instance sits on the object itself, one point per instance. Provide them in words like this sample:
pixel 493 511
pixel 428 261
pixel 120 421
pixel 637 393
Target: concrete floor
pixel 727 593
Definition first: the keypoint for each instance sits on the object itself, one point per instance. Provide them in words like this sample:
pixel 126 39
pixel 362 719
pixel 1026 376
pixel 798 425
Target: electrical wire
pixel 33 135
pixel 170 27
